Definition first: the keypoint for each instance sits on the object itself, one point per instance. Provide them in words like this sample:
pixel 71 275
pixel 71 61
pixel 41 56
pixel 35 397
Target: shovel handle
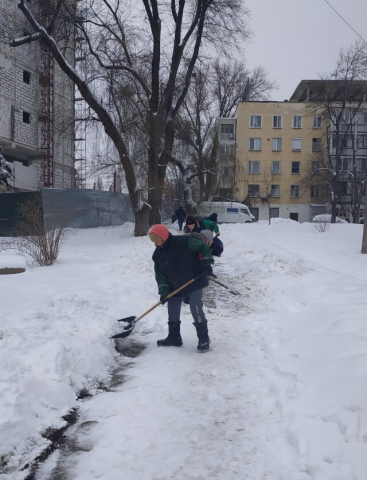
pixel 168 296
pixel 225 286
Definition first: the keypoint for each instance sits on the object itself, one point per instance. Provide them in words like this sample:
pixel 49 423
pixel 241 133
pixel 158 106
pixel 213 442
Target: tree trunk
pixel 211 179
pixel 156 172
pixel 142 220
pixel 155 201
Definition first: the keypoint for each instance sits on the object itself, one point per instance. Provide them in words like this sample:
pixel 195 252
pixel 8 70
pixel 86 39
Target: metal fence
pixel 79 208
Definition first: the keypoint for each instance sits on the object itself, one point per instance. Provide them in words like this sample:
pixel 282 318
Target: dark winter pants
pixel 180 223
pixel 196 307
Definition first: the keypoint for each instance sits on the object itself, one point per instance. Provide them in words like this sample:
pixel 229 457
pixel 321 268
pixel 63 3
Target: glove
pixel 163 299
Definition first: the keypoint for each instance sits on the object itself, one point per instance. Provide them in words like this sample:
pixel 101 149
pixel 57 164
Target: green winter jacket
pixel 203 225
pixel 179 260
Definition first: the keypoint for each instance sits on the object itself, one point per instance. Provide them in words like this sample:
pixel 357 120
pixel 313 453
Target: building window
pixel 226 149
pixel 26 76
pixel 275 167
pixel 277 121
pixel 254 167
pixel 275 191
pixel 316 121
pixel 343 188
pixel 227 131
pixel 296 144
pixel 253 190
pixel 294 191
pixel 277 144
pixel 346 116
pixel 315 166
pixel 364 117
pixel 228 172
pixel 344 142
pixel 345 163
pixel 296 167
pixel 297 121
pixel 316 144
pixel 255 144
pixel 315 191
pixel 26 117
pixel 361 164
pixel 274 212
pixel 255 121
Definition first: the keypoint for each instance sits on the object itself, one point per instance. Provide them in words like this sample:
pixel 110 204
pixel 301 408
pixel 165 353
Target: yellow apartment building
pixel 275 144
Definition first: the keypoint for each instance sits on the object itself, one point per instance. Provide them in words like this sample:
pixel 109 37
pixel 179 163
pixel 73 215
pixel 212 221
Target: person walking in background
pixel 177 259
pixel 181 216
pixel 193 225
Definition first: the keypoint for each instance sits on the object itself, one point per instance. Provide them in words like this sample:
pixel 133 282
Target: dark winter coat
pixel 179 260
pixel 203 225
pixel 181 214
pixel 216 247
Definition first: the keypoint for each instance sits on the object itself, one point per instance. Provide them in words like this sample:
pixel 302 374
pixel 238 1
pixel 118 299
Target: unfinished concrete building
pixel 36 108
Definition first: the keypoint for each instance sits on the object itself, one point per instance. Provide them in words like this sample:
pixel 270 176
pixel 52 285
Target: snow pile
pixel 9 260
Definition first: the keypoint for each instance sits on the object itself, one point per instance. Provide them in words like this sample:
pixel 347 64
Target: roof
pixel 318 90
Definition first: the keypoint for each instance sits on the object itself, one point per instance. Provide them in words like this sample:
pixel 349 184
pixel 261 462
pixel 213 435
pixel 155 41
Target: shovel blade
pixel 126 331
pixel 127 319
pixel 234 292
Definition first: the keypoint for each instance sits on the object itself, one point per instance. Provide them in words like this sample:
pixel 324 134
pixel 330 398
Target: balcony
pixel 227 136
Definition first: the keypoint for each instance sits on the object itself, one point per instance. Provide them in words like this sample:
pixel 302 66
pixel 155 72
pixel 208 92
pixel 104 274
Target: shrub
pixel 41 237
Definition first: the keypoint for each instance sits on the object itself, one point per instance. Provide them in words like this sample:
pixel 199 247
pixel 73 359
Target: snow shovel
pixel 132 321
pixel 233 292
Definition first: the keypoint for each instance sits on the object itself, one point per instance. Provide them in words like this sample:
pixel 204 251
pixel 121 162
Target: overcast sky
pixel 298 40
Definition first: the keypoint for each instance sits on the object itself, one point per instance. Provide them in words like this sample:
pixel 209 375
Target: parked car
pixel 326 218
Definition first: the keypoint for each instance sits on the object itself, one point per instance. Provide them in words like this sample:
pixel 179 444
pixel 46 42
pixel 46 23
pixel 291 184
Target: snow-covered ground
pixel 281 395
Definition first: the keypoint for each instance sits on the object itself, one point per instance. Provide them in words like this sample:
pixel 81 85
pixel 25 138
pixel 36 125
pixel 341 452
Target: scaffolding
pixel 80 141
pixel 47 106
pixel 80 123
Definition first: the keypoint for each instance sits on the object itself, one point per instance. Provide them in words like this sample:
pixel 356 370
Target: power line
pixel 350 26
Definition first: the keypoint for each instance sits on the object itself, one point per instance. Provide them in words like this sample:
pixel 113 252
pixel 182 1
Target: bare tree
pixel 149 47
pixel 344 100
pixel 266 188
pixel 215 92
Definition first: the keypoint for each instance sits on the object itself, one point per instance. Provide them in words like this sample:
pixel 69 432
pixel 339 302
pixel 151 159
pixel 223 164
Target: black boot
pixel 202 332
pixel 174 338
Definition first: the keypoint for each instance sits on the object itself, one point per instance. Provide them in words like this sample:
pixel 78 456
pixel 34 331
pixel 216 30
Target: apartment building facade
pixel 36 110
pixel 276 150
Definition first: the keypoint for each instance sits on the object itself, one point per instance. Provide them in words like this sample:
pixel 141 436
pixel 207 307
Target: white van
pixel 228 212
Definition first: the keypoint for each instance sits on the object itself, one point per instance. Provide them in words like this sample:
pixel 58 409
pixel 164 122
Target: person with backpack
pixel 193 225
pixel 178 259
pixel 216 245
pixel 181 216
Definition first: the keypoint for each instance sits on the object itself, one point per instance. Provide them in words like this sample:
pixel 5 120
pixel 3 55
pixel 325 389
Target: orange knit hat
pixel 160 230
